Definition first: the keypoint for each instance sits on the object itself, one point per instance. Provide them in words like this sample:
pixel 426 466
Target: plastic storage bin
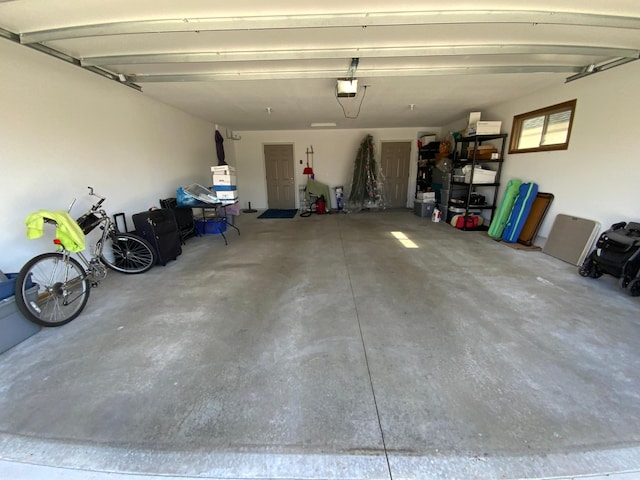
pixel 211 226
pixel 8 287
pixel 14 328
pixel 423 209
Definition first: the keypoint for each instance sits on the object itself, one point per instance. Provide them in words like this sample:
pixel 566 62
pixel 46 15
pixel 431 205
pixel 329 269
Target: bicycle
pixel 53 288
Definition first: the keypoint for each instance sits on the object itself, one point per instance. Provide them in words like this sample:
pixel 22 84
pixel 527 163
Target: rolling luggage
pixel 504 210
pixel 184 218
pixel 538 211
pixel 160 229
pixel 617 253
pixel 520 212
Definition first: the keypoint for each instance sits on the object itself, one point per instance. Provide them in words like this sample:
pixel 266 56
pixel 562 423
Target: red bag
pixel 470 221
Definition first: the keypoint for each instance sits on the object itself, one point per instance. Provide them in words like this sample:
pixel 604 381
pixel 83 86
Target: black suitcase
pixel 184 218
pixel 160 229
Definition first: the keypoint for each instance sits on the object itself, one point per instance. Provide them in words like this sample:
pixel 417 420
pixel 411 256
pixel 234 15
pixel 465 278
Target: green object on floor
pixel 504 210
pixel 315 190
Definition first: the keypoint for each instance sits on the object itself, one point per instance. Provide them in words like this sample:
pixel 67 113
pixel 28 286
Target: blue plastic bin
pixel 211 226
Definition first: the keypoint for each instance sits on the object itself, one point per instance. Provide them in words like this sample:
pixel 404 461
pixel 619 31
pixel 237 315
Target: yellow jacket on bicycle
pixel 67 230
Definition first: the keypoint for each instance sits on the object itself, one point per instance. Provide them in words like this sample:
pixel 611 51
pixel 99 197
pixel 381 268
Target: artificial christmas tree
pixel 367 183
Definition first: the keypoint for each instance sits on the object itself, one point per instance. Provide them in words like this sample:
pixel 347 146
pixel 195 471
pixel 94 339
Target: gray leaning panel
pixel 571 238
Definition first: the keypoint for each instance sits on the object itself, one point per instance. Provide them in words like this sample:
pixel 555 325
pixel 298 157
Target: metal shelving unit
pixel 461 159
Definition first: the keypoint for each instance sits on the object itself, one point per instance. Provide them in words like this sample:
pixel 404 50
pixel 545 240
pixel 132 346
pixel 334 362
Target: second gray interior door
pixel 278 161
pixel 395 159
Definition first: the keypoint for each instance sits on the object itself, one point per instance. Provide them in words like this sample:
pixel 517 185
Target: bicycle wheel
pixel 128 253
pixel 52 289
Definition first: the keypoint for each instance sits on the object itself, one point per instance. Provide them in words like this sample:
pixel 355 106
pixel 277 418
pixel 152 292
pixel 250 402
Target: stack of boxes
pixel 424 203
pixel 224 184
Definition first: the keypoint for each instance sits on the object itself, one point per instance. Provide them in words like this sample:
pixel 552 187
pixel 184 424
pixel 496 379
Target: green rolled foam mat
pixel 504 210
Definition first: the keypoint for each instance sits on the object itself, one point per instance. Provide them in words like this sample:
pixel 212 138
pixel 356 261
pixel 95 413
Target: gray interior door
pixel 279 167
pixel 395 159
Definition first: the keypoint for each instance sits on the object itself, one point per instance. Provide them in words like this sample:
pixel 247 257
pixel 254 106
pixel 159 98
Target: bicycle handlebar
pixel 102 199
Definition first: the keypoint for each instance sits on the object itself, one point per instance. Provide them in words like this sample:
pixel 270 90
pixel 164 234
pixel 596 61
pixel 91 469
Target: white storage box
pixel 481 175
pixel 424 200
pixel 426 196
pixel 223 179
pixel 484 127
pixel 223 170
pixel 229 195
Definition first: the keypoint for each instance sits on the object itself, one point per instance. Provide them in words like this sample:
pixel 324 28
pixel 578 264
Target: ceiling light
pixel 268 110
pixel 347 87
pixel 412 106
pixel 326 124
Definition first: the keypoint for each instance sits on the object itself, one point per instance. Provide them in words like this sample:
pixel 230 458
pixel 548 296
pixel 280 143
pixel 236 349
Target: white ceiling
pixel 228 62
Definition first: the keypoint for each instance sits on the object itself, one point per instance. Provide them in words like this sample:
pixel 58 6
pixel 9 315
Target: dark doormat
pixel 279 213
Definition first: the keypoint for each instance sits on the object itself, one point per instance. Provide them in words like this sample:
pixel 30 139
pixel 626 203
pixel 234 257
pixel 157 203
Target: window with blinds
pixel 544 129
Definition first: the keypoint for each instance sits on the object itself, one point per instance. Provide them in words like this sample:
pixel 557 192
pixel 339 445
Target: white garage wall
pixel 334 156
pixel 63 129
pixel 598 177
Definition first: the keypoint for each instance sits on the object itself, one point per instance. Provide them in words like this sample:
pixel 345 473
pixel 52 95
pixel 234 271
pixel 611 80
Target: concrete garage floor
pixel 322 348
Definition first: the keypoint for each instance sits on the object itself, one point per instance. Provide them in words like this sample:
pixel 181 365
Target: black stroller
pixel 617 253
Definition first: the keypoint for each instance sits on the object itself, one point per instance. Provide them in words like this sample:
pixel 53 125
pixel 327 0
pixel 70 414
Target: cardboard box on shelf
pixel 483 153
pixel 485 127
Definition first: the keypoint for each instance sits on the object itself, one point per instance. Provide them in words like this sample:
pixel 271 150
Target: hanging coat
pixel 220 148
